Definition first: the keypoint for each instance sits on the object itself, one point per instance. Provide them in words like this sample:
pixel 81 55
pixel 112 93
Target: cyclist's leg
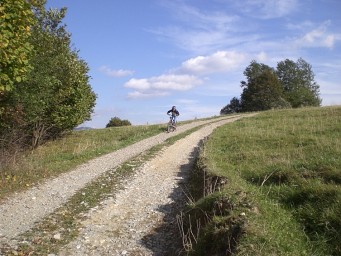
pixel 174 121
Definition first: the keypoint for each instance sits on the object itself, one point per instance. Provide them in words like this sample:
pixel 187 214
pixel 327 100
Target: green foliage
pixel 291 85
pixel 298 83
pixel 233 107
pixel 254 70
pixel 16 19
pixel 115 122
pixel 262 92
pixel 56 96
pixel 288 164
pixel 58 91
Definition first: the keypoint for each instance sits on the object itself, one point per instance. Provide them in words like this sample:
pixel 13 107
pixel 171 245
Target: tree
pixel 254 70
pixel 115 122
pixel 56 96
pixel 298 83
pixel 290 85
pixel 233 107
pixel 263 91
pixel 16 19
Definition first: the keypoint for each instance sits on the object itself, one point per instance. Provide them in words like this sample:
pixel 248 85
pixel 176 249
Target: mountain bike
pixel 171 127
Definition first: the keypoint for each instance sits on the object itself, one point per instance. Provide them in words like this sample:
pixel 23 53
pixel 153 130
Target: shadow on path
pixel 165 240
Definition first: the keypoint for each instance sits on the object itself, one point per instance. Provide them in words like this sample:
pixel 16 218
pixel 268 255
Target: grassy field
pixel 283 192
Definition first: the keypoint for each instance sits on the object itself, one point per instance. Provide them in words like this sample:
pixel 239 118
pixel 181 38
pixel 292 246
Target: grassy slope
pixel 283 195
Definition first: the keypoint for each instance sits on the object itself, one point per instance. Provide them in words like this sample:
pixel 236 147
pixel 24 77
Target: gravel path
pixel 20 212
pixel 141 219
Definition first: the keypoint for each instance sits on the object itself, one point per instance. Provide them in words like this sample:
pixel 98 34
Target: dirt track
pixel 139 220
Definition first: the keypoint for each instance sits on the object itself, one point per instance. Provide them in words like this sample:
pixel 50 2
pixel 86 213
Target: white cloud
pixel 221 61
pixel 161 85
pixel 198 40
pixel 115 73
pixel 318 37
pixel 191 73
pixel 268 9
pixel 200 19
pixel 145 95
pixel 187 76
pixel 200 31
pixel 262 56
pixel 140 84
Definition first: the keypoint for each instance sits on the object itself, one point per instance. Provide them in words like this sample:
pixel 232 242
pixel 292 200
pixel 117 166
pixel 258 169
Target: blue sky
pixel 148 55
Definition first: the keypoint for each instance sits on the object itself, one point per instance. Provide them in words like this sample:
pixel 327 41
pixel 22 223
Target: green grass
pixel 287 166
pixel 56 157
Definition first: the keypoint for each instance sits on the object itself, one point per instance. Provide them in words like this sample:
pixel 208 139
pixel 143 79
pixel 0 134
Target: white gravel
pixel 20 212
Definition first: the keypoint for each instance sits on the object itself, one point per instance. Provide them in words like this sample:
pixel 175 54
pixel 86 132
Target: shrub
pixel 115 122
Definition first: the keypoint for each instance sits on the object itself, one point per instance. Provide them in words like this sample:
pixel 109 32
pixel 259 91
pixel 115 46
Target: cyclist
pixel 173 113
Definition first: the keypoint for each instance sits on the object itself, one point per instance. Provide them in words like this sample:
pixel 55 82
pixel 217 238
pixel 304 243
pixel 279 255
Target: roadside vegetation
pixel 25 169
pixel 61 155
pixel 272 186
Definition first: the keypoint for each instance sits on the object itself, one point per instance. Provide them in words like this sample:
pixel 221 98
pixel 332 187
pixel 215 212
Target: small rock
pixel 57 236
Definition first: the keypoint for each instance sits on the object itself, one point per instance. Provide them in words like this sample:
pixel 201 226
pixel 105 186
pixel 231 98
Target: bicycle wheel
pixel 170 128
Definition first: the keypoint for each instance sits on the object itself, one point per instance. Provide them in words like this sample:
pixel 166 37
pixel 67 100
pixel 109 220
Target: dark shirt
pixel 174 112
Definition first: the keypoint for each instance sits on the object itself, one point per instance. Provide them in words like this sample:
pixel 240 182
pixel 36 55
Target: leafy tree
pixel 254 70
pixel 263 91
pixel 56 96
pixel 233 107
pixel 298 83
pixel 290 85
pixel 115 122
pixel 16 19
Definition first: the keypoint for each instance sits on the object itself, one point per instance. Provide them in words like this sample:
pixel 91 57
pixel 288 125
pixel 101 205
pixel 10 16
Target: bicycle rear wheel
pixel 170 128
